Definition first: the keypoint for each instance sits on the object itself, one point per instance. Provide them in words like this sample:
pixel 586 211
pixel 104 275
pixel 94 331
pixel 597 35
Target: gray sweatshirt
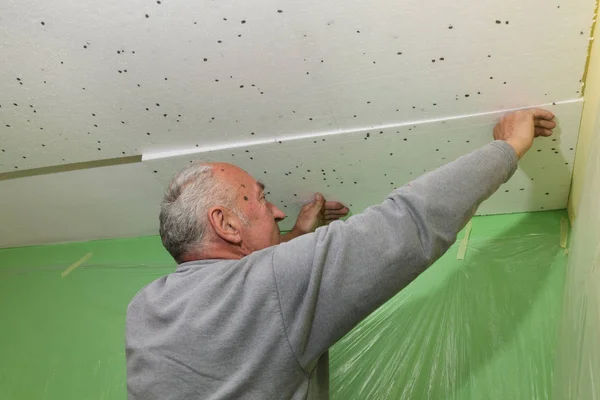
pixel 261 327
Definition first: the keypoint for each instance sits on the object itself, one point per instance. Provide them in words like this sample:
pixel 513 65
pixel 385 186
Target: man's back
pixel 212 330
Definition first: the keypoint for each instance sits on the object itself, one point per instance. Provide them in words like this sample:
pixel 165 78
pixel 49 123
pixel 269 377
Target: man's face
pixel 262 229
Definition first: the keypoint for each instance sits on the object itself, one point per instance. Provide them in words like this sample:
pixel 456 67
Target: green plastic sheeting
pixel 63 338
pixel 479 328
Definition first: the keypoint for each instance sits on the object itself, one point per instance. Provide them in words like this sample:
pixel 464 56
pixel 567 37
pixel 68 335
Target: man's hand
pixel 315 214
pixel 520 128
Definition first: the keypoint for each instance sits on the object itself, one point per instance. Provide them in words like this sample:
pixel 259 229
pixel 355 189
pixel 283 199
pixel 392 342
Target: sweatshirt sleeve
pixel 329 280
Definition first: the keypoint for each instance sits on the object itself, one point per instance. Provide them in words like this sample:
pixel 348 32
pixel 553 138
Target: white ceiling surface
pixel 123 201
pixel 361 168
pixel 91 79
pixel 107 202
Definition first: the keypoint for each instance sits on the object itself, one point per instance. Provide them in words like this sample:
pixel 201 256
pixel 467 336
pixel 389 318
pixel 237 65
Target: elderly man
pixel 250 314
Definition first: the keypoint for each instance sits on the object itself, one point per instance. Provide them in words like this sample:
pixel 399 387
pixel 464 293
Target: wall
pixel 578 366
pixel 589 126
pixel 63 337
pixel 479 328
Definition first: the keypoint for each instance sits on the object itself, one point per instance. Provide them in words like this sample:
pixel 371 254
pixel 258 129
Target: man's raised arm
pixel 329 280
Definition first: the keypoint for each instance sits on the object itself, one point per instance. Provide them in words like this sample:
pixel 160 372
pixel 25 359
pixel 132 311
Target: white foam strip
pixel 245 144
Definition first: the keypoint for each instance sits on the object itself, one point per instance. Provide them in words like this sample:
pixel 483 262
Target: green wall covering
pixel 481 328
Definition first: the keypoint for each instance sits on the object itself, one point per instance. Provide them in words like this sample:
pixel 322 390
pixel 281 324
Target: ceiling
pixel 386 89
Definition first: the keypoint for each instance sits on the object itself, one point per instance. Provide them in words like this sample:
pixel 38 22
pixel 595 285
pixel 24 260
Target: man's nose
pixel 277 213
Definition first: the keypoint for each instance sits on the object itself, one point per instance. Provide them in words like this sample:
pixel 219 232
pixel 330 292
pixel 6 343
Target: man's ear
pixel 225 225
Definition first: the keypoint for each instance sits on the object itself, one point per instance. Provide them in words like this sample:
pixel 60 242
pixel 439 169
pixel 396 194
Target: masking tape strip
pixel 462 247
pixel 564 232
pixel 76 264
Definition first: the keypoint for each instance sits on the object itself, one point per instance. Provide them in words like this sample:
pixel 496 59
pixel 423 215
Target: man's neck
pixel 215 253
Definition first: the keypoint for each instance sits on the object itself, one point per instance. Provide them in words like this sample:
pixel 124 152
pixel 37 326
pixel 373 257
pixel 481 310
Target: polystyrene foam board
pixel 92 80
pixel 361 167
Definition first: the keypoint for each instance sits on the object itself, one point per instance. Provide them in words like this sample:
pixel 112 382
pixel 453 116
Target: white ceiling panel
pixel 360 168
pixel 91 80
pixel 107 202
pixel 123 200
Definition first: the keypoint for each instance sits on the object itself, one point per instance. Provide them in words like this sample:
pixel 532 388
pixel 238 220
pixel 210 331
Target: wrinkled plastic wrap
pixel 480 328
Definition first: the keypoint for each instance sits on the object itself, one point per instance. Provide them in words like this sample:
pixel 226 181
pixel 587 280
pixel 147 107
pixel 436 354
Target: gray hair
pixel 184 208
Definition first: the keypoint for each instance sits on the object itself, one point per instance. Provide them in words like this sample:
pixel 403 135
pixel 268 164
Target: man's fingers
pixel 334 205
pixel 543 132
pixel 317 203
pixel 542 114
pixel 544 127
pixel 543 123
pixel 338 211
pixel 334 214
pixel 342 210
